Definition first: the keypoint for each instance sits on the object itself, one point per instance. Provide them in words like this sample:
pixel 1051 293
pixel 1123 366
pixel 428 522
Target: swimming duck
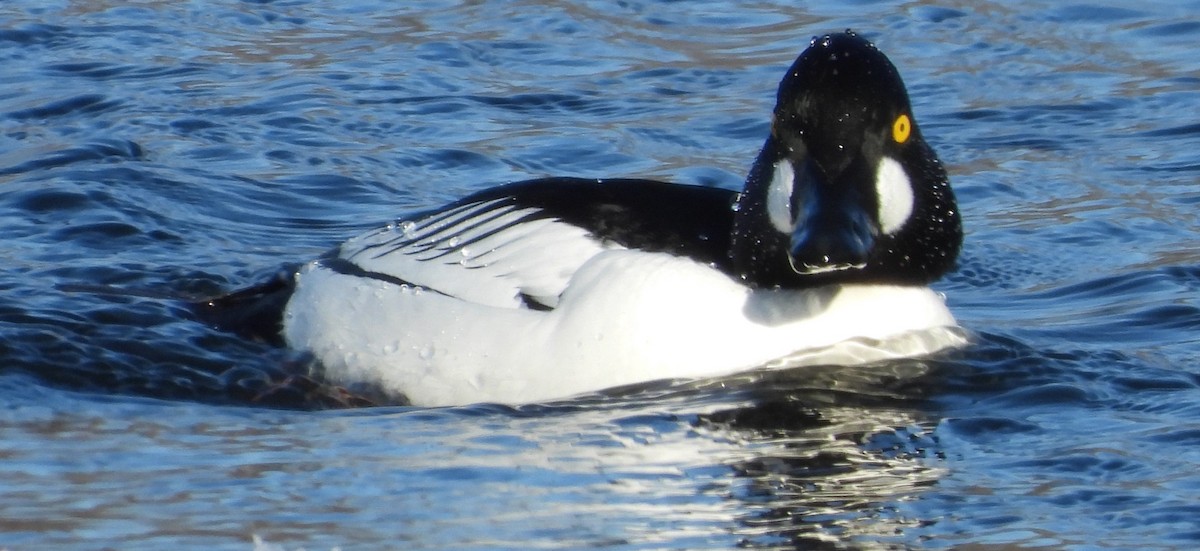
pixel 548 288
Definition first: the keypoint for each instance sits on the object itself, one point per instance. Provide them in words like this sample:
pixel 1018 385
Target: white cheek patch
pixel 895 195
pixel 779 197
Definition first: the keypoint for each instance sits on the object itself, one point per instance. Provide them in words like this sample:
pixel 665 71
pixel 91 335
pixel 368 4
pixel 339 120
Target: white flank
pixel 895 195
pixel 625 317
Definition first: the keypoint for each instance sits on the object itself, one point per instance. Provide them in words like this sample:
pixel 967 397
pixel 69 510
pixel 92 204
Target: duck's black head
pixel 845 188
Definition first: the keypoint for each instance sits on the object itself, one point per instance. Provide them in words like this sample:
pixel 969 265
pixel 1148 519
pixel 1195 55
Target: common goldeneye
pixel 549 288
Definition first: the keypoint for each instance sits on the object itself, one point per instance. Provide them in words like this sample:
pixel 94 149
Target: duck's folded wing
pixel 518 245
pixel 493 252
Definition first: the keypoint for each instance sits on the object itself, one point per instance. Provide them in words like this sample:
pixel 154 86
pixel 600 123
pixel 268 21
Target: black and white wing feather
pixel 519 245
pixel 493 252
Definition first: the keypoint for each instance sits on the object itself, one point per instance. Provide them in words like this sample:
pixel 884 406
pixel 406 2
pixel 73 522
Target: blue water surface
pixel 173 150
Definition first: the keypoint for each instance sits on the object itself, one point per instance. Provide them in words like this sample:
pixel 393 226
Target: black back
pixel 691 221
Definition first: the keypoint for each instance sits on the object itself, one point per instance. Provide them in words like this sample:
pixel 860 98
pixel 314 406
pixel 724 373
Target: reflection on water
pixel 828 453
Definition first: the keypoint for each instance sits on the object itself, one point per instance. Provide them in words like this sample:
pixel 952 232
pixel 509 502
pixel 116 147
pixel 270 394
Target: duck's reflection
pixel 832 454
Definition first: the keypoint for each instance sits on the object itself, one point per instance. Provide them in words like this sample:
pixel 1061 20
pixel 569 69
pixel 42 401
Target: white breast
pixel 625 317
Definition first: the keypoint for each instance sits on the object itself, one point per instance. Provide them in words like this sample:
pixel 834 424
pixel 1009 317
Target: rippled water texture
pixel 175 149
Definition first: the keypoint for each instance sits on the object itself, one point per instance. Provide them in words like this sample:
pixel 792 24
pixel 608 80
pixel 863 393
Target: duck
pixel 545 289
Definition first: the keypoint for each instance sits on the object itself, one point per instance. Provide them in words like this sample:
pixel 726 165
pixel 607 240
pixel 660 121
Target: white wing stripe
pixel 442 232
pixel 511 253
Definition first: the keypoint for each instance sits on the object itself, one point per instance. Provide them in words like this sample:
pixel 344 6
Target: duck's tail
pixel 255 312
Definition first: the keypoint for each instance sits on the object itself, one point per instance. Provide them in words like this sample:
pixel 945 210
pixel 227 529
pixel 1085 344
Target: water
pixel 180 148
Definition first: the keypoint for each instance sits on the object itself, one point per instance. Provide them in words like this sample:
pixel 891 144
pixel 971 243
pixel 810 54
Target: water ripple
pixel 83 104
pixel 108 150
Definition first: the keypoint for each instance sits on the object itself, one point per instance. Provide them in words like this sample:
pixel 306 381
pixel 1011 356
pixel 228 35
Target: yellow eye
pixel 901 129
